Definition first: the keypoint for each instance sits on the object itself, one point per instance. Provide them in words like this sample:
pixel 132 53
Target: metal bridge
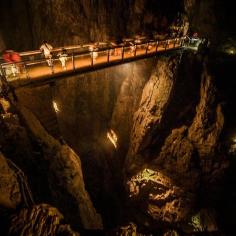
pixel 34 68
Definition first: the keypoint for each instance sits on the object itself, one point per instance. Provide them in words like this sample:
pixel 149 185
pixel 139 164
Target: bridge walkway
pixel 32 69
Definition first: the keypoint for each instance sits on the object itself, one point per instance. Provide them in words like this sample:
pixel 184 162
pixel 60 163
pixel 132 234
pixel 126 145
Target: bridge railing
pixel 80 57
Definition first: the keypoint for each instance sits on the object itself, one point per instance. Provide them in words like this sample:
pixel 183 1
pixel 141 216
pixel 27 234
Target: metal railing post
pixel 26 71
pixel 135 50
pixel 157 46
pixel 123 51
pixel 73 60
pixel 175 42
pixel 166 45
pixel 92 58
pixel 52 67
pixel 147 45
pixel 108 55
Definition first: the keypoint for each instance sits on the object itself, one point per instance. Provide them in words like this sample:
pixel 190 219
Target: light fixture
pixel 111 135
pixel 55 106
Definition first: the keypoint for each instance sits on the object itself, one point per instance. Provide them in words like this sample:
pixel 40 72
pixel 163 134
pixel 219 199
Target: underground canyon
pixel 117 117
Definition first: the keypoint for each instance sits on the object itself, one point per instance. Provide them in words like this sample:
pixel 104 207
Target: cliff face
pixel 155 97
pixel 174 151
pixel 54 170
pixel 166 113
pixel 65 177
pixel 90 105
pixel 10 195
pixel 38 220
pixel 76 21
pixel 168 120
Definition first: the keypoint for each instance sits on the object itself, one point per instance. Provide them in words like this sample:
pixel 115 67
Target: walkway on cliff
pixel 80 59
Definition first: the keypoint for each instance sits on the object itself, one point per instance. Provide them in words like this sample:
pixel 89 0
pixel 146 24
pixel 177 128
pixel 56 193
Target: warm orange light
pixel 55 106
pixel 141 179
pixel 111 135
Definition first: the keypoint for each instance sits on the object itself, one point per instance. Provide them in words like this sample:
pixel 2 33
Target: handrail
pixel 23 182
pixel 124 51
pixel 31 53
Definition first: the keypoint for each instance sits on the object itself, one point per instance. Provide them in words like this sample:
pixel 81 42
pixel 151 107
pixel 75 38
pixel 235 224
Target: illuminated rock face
pixel 155 97
pixel 164 112
pixel 39 219
pixel 171 160
pixel 65 177
pixel 162 199
pixel 53 169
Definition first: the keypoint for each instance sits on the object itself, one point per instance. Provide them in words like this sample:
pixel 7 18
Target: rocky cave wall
pixel 27 144
pixel 77 21
pixel 172 112
pixel 168 119
pixel 175 162
pixel 90 105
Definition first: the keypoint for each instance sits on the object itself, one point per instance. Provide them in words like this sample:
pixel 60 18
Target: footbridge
pixel 84 58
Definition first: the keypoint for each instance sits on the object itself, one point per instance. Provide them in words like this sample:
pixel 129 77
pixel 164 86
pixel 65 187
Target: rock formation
pixel 170 179
pixel 40 220
pixel 65 176
pixel 10 195
pixel 166 171
pixel 77 21
pixel 64 184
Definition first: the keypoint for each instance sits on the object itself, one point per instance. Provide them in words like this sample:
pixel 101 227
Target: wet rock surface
pixel 64 176
pixel 42 219
pixel 169 184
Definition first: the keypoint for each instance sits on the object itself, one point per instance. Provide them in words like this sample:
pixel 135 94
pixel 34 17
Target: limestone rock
pixel 202 221
pixel 159 197
pixel 67 22
pixel 209 120
pixel 178 159
pixel 90 105
pixel 155 98
pixel 10 195
pixel 65 178
pixel 188 159
pixel 42 219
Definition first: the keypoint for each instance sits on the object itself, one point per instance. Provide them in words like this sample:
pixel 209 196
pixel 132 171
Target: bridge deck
pixel 36 70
